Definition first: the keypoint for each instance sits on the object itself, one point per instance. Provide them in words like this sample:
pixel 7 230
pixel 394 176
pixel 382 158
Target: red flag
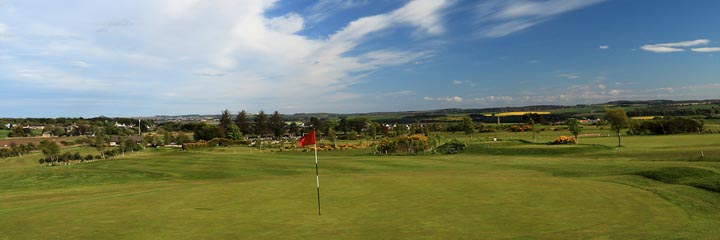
pixel 307 139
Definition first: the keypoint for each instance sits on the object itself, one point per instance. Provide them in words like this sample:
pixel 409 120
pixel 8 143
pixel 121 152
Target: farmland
pixel 656 187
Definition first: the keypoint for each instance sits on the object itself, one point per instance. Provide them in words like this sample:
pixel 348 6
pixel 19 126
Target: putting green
pixel 399 205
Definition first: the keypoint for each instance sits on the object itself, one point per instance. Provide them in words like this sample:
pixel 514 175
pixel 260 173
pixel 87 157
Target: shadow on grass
pixel 535 150
pixel 690 176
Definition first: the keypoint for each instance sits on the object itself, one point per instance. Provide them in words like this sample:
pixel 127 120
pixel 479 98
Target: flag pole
pixel 317 178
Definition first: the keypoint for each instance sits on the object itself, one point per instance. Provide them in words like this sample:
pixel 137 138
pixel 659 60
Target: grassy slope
pixel 509 190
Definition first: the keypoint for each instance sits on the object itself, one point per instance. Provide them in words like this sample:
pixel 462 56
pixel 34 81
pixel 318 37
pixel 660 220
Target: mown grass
pixel 502 190
pixel 4 134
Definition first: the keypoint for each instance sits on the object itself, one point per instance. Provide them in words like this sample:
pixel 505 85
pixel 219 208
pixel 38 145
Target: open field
pixel 656 187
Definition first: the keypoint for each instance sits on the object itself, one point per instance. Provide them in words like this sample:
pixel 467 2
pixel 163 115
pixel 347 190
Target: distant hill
pixel 648 107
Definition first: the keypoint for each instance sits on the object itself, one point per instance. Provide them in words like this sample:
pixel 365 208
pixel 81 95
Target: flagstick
pixel 317 178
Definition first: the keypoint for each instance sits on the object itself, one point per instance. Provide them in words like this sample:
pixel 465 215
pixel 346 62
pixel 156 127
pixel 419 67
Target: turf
pixel 504 190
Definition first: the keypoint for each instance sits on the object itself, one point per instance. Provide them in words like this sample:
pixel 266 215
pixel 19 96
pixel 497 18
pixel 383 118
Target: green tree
pixel 344 125
pixel 50 149
pixel 333 137
pixel 167 138
pixel 207 132
pixel 574 127
pixel 261 123
pixel 293 129
pixel 100 143
pixel 17 131
pixel 617 119
pixel 182 138
pixel 225 122
pixel 530 119
pixel 234 133
pixel 58 131
pixel 316 123
pixel 277 125
pixel 468 126
pixel 241 120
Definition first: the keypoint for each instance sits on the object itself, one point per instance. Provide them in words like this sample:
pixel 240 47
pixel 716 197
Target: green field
pixel 4 134
pixel 656 187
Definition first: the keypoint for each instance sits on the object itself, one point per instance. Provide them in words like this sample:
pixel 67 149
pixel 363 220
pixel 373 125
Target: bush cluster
pixel 520 128
pixel 404 144
pixel 65 157
pixel 666 126
pixel 452 147
pixel 215 142
pixel 564 140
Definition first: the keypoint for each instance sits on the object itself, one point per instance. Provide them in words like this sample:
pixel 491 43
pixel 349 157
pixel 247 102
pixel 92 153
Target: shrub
pixel 404 144
pixel 452 147
pixel 564 140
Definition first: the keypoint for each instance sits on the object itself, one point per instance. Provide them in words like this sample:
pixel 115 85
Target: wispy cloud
pixel 454 99
pixel 706 49
pixel 569 76
pixel 497 18
pixel 400 93
pixel 326 8
pixel 673 46
pixel 604 47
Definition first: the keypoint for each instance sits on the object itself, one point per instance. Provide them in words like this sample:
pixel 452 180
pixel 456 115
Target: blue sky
pixel 130 58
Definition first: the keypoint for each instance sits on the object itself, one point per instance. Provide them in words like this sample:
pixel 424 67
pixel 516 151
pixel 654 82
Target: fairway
pixel 504 190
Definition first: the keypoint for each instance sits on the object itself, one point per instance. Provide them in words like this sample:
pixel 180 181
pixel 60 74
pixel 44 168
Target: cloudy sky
pixel 129 58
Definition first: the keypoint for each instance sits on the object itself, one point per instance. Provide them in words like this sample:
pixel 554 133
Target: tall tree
pixel 277 125
pixel 343 126
pixel 316 124
pixel 241 120
pixel 531 119
pixel 617 118
pixel 468 126
pixel 293 129
pixel 100 143
pixel 358 124
pixel 225 122
pixel 261 123
pixel 574 127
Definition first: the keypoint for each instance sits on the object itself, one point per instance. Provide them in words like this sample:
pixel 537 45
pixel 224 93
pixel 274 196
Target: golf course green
pixel 655 187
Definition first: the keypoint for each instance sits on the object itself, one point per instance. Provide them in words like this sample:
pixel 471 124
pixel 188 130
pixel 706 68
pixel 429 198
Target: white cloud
pixel 80 64
pixel 685 43
pixel 457 82
pixel 673 46
pixel 497 18
pixel 706 49
pixel 400 93
pixel 248 55
pixel 289 23
pixel 454 99
pixel 569 76
pixel 601 86
pixel 604 47
pixel 3 29
pixel 660 49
